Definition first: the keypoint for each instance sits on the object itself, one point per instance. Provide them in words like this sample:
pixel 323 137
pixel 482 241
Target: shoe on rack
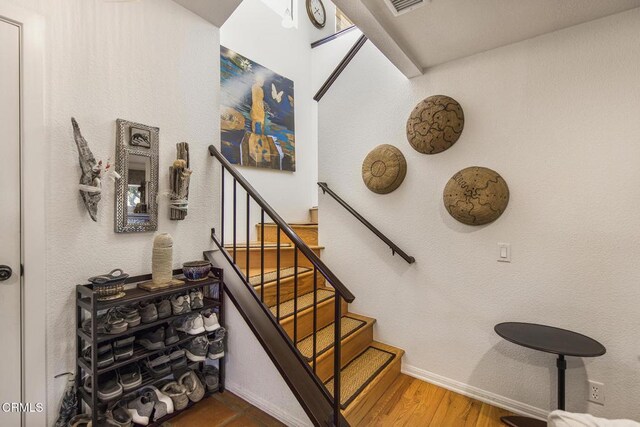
pixel 153 340
pixel 220 333
pixel 105 355
pixel 80 420
pixel 196 299
pixel 216 349
pixel 162 398
pixel 119 415
pixel 180 304
pixel 192 324
pixel 210 319
pixel 195 389
pixel 148 311
pixel 196 349
pixel 109 388
pixel 130 315
pixel 141 409
pixel 211 377
pixel 123 348
pixel 177 393
pixel 129 376
pixel 164 308
pixel 110 323
pixel 171 336
pixel 178 360
pixel 159 366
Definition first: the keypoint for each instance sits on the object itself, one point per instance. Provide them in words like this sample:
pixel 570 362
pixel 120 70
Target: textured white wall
pixel 556 117
pixel 152 62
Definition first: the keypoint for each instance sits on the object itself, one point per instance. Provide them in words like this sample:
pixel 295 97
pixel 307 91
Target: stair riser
pixel 270 258
pixel 325 316
pixel 308 234
pixel 305 285
pixel 313 215
pixel 352 346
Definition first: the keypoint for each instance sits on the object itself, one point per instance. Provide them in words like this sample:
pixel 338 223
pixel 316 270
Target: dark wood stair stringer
pixel 293 370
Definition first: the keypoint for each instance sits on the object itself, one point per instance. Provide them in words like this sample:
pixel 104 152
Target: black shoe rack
pixel 88 306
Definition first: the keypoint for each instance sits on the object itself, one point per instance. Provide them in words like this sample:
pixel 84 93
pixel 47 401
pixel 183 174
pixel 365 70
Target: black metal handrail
pixel 298 245
pixel 340 68
pixel 332 36
pixel 394 248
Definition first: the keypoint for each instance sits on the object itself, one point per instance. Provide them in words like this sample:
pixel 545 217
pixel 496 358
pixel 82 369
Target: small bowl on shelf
pixel 196 270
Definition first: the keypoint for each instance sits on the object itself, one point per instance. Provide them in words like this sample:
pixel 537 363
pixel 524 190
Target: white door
pixel 10 253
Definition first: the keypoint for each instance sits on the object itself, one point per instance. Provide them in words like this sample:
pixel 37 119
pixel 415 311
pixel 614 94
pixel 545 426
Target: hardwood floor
pixel 411 402
pixel 407 402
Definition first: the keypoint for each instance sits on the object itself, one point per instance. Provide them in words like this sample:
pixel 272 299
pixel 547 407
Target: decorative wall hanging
pixel 384 169
pixel 435 124
pixel 92 173
pixel 180 175
pixel 137 149
pixel 476 196
pixel 256 115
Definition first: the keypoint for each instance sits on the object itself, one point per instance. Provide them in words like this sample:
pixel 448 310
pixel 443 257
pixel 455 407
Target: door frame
pixel 33 231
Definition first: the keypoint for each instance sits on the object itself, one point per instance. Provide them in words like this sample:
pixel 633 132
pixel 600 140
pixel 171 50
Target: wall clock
pixel 317 13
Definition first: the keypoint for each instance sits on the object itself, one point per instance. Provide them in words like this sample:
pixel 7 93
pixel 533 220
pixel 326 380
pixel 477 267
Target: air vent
pixel 398 7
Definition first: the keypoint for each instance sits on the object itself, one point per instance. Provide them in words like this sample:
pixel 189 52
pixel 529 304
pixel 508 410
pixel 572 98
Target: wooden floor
pixel 408 402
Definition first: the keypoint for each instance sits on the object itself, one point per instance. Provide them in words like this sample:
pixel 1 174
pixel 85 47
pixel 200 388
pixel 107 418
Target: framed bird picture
pixel 256 114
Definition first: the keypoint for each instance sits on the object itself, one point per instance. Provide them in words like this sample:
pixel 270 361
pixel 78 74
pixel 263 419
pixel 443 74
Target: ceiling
pixel 216 11
pixel 444 30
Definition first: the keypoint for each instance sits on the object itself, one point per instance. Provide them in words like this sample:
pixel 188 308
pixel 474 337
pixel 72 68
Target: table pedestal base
pixel 515 421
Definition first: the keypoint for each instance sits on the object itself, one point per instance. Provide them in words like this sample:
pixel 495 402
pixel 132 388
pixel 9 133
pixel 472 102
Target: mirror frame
pixel 123 151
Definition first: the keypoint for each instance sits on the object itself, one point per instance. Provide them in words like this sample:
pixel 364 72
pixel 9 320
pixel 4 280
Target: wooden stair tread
pixel 270 276
pixel 350 324
pixel 305 301
pixel 268 247
pixel 292 224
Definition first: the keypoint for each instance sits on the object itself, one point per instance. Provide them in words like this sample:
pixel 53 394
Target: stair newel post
pixel 278 274
pixel 336 361
pixel 248 232
pixel 295 295
pixel 235 192
pixel 315 315
pixel 262 256
pixel 222 208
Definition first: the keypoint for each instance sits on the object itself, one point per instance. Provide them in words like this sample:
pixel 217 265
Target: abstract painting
pixel 256 114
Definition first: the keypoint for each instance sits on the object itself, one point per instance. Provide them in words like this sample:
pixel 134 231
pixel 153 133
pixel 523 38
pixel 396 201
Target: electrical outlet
pixel 596 392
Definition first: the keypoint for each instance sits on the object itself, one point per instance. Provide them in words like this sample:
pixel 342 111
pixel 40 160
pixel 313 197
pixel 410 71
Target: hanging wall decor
pixel 257 114
pixel 180 175
pixel 384 169
pixel 435 124
pixel 476 196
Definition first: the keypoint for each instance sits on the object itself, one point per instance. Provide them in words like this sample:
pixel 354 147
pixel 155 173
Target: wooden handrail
pixel 340 68
pixel 394 248
pixel 340 288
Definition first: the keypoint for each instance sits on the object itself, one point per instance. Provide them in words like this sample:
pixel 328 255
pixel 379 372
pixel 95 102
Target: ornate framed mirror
pixel 137 152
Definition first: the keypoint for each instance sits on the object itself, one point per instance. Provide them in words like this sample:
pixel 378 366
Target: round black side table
pixel 550 340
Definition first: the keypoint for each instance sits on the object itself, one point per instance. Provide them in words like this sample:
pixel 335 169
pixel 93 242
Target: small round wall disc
pixel 384 169
pixel 476 196
pixel 435 124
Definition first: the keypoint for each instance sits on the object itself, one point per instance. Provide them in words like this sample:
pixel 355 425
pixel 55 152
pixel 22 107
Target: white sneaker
pixel 210 320
pixel 162 398
pixel 192 324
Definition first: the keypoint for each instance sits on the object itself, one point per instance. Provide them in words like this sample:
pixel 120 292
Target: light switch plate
pixel 504 252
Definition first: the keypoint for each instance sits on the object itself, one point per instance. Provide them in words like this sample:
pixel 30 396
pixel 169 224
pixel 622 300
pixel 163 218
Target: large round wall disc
pixel 384 169
pixel 476 196
pixel 435 124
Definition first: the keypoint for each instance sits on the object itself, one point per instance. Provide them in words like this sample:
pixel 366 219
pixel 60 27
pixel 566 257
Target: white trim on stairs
pixel 266 406
pixel 476 393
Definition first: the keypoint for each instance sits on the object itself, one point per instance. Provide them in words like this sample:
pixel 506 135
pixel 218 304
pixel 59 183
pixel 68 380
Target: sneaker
pixel 210 319
pixel 177 393
pixel 180 304
pixel 105 355
pixel 153 340
pixel 211 377
pixel 140 409
pixel 108 388
pixel 166 406
pixel 191 324
pixel 130 315
pixel 196 299
pixel 129 376
pixel 148 311
pixel 220 333
pixel 196 349
pixel 195 389
pixel 119 415
pixel 171 336
pixel 110 323
pixel 159 366
pixel 216 349
pixel 178 361
pixel 123 353
pixel 164 308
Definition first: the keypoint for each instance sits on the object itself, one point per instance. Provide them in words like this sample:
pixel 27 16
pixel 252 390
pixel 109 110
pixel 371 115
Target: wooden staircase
pixel 368 367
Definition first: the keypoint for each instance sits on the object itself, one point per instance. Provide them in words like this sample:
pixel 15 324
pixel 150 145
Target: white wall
pixel 556 117
pixel 152 62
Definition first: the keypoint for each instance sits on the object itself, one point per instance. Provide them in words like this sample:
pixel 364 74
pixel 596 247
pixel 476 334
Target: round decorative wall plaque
pixel 384 169
pixel 435 124
pixel 476 196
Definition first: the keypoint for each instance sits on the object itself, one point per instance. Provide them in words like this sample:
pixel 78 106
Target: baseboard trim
pixel 476 393
pixel 266 406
